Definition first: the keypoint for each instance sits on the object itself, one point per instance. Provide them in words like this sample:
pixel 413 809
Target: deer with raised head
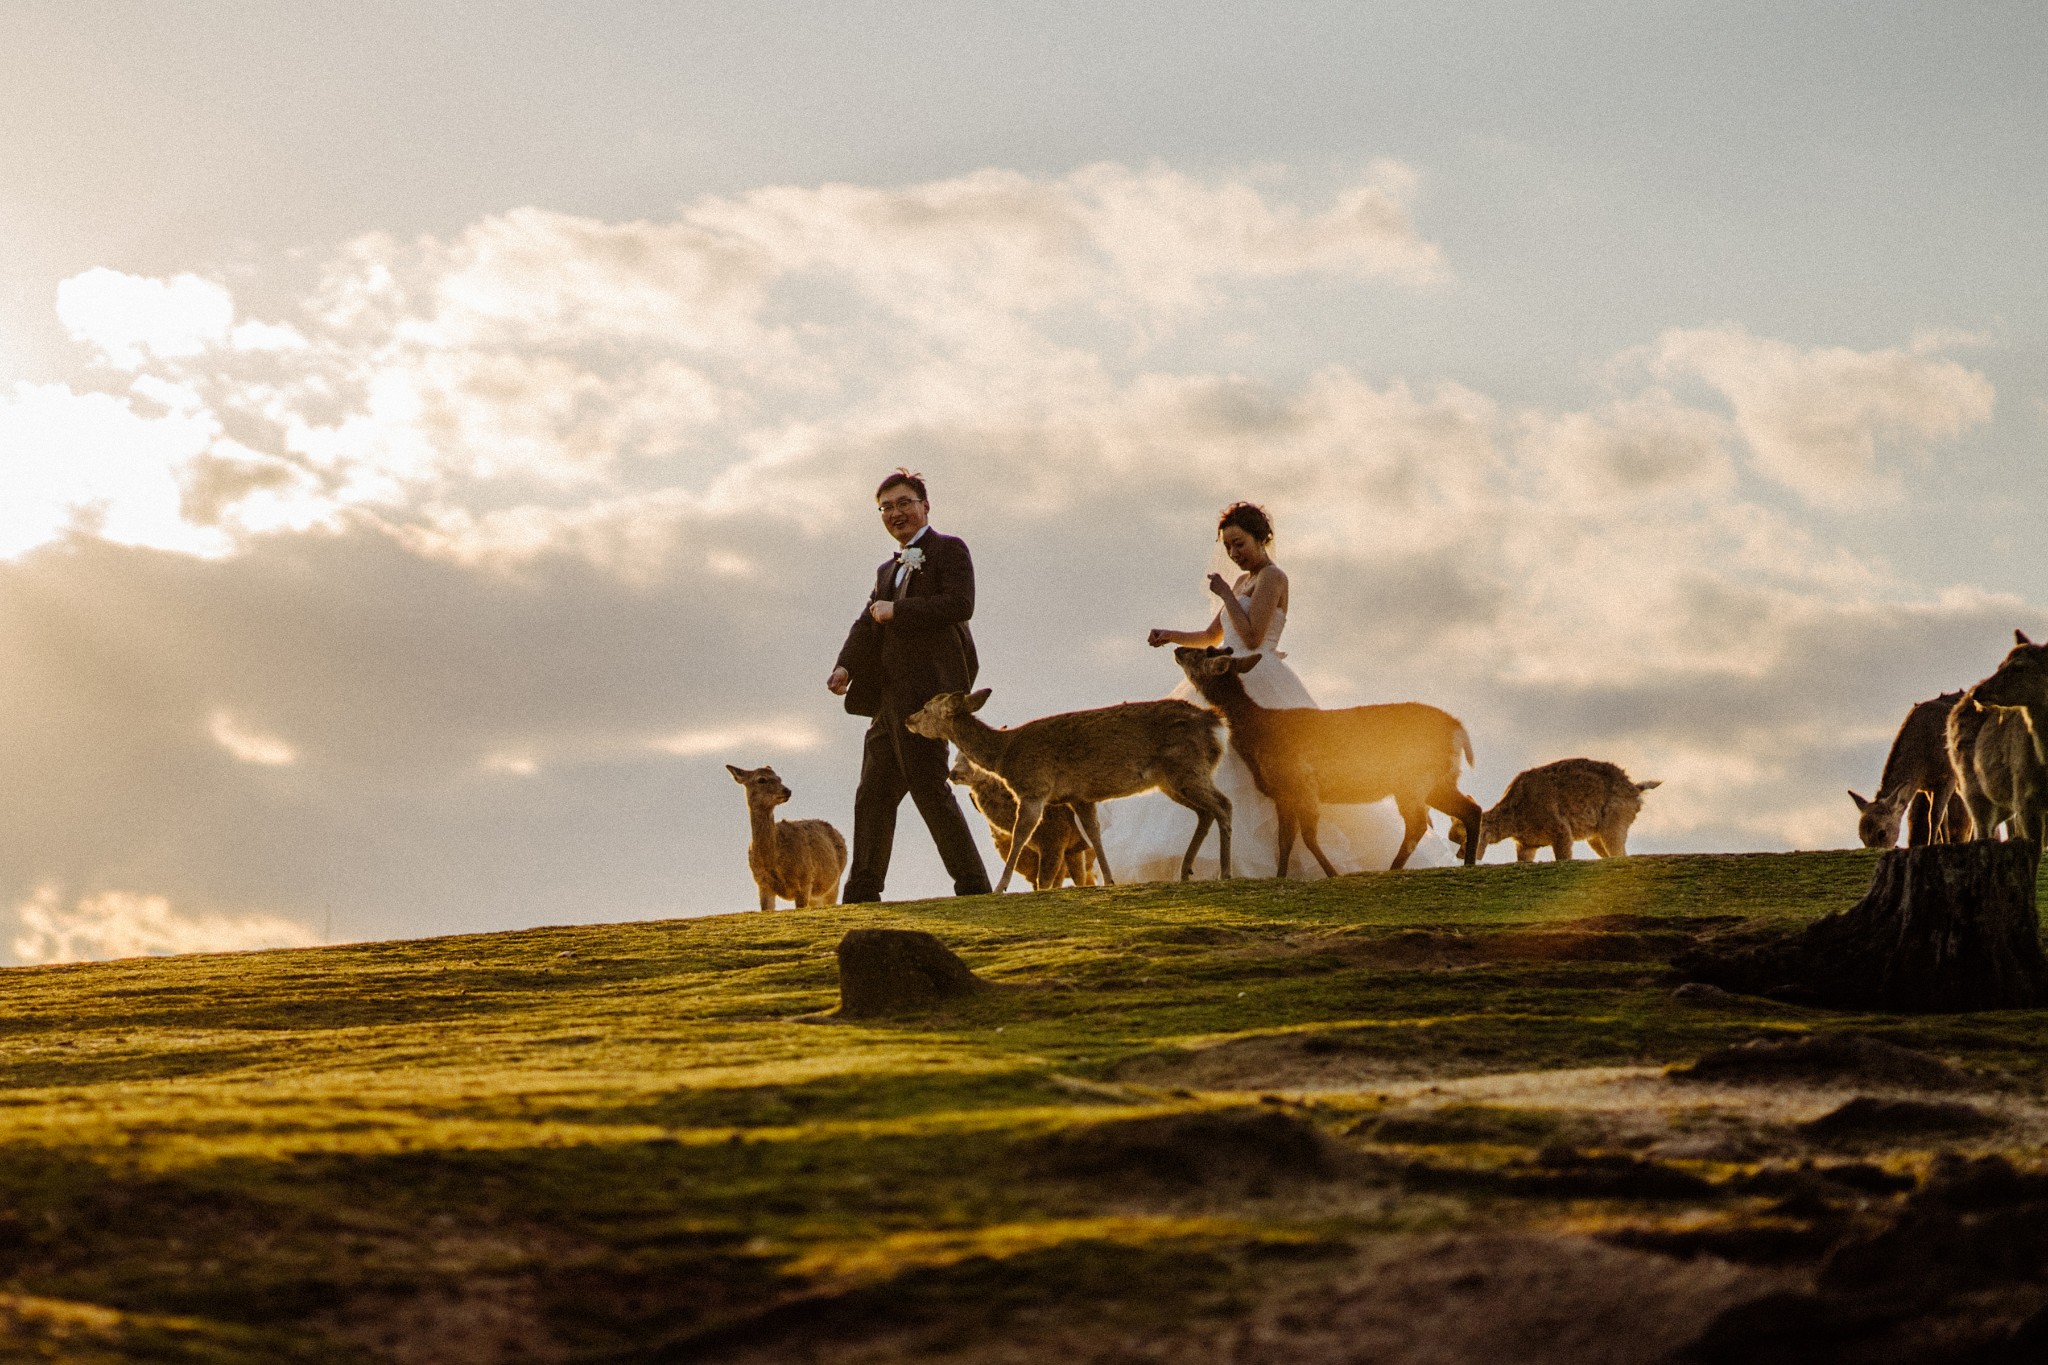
pixel 1918 786
pixel 1082 757
pixel 797 860
pixel 1998 743
pixel 1558 803
pixel 1057 850
pixel 1303 757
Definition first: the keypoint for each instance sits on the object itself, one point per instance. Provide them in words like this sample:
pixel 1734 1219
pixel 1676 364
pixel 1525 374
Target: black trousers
pixel 895 762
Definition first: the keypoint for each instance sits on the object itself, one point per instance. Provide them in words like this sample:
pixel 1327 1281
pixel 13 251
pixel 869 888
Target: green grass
pixel 621 1141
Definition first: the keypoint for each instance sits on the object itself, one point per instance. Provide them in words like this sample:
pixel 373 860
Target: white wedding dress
pixel 1147 835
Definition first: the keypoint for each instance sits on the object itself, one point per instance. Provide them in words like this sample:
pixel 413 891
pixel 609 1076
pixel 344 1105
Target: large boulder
pixel 895 971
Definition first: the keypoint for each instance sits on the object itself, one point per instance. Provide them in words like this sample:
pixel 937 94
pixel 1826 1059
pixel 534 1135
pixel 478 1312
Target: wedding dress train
pixel 1147 835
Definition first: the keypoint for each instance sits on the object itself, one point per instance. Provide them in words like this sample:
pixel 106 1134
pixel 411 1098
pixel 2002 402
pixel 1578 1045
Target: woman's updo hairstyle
pixel 1250 518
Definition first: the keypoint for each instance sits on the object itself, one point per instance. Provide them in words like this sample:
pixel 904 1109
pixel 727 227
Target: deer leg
pixel 1415 819
pixel 1084 816
pixel 1561 848
pixel 1031 864
pixel 1029 813
pixel 767 895
pixel 1285 849
pixel 1311 820
pixel 1525 853
pixel 1465 811
pixel 1222 833
pixel 1919 824
pixel 1203 819
pixel 1982 813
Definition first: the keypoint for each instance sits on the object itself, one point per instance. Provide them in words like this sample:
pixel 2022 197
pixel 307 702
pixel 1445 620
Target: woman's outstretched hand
pixel 1159 637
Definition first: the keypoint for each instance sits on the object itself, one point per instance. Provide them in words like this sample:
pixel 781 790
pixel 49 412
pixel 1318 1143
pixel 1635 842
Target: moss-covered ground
pixel 627 1142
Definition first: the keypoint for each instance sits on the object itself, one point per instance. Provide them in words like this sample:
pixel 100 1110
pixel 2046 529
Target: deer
pixel 1558 803
pixel 797 860
pixel 1998 744
pixel 1057 851
pixel 1302 756
pixel 1081 757
pixel 1918 785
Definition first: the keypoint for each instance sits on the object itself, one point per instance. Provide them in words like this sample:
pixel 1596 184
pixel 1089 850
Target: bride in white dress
pixel 1146 836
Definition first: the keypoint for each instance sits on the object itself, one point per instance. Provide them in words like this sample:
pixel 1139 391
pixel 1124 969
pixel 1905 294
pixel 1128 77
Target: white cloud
pixel 91 462
pixel 782 735
pixel 128 317
pixel 248 745
pixel 1813 419
pixel 130 924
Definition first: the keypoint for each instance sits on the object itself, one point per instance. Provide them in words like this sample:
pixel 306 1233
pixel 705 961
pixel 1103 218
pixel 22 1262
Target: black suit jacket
pixel 927 648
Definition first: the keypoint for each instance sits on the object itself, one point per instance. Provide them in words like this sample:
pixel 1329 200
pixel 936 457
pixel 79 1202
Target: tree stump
pixel 890 971
pixel 1944 928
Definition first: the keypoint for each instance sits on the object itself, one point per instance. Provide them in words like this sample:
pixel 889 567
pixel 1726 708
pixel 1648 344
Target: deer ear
pixel 1246 664
pixel 2019 637
pixel 976 700
pixel 738 774
pixel 1861 804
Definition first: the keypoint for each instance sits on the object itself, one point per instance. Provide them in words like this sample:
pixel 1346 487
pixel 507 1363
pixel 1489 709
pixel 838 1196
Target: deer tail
pixel 1464 743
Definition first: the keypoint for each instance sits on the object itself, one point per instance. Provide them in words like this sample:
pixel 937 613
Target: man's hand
pixel 839 682
pixel 883 612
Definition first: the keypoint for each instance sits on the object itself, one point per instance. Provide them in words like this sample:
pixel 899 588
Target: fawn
pixel 798 860
pixel 1573 798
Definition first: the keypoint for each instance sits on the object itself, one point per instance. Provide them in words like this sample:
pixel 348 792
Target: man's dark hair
pixel 914 482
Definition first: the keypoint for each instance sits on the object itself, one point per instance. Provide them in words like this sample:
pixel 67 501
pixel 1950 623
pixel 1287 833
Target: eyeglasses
pixel 897 505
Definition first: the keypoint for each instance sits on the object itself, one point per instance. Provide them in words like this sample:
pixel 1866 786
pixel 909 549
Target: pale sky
pixel 436 438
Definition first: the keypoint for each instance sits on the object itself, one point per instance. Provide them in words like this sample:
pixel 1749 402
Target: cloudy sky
pixel 435 439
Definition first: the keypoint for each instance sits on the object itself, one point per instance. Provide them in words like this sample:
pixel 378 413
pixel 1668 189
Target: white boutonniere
pixel 910 557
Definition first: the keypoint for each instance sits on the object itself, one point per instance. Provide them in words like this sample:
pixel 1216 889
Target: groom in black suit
pixel 910 643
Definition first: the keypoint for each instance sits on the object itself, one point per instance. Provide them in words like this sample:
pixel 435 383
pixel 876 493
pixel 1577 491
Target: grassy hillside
pixel 1190 1122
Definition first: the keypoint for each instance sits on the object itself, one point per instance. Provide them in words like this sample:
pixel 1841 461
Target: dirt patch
pixel 1504 1299
pixel 485 1320
pixel 1868 1119
pixel 1455 1124
pixel 1954 1276
pixel 1833 1059
pixel 1242 1148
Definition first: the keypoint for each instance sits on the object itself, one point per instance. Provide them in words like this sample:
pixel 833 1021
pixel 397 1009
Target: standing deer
pixel 1557 803
pixel 798 860
pixel 1918 785
pixel 1998 742
pixel 1058 850
pixel 1302 757
pixel 1082 757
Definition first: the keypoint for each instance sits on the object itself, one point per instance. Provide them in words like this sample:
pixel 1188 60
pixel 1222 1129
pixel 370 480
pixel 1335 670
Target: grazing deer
pixel 1551 806
pixel 798 860
pixel 1058 850
pixel 1998 742
pixel 1082 757
pixel 1918 785
pixel 1302 757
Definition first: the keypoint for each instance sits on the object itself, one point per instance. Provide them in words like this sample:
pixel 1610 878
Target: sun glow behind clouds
pixel 783 736
pixel 130 316
pixel 247 745
pixel 130 924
